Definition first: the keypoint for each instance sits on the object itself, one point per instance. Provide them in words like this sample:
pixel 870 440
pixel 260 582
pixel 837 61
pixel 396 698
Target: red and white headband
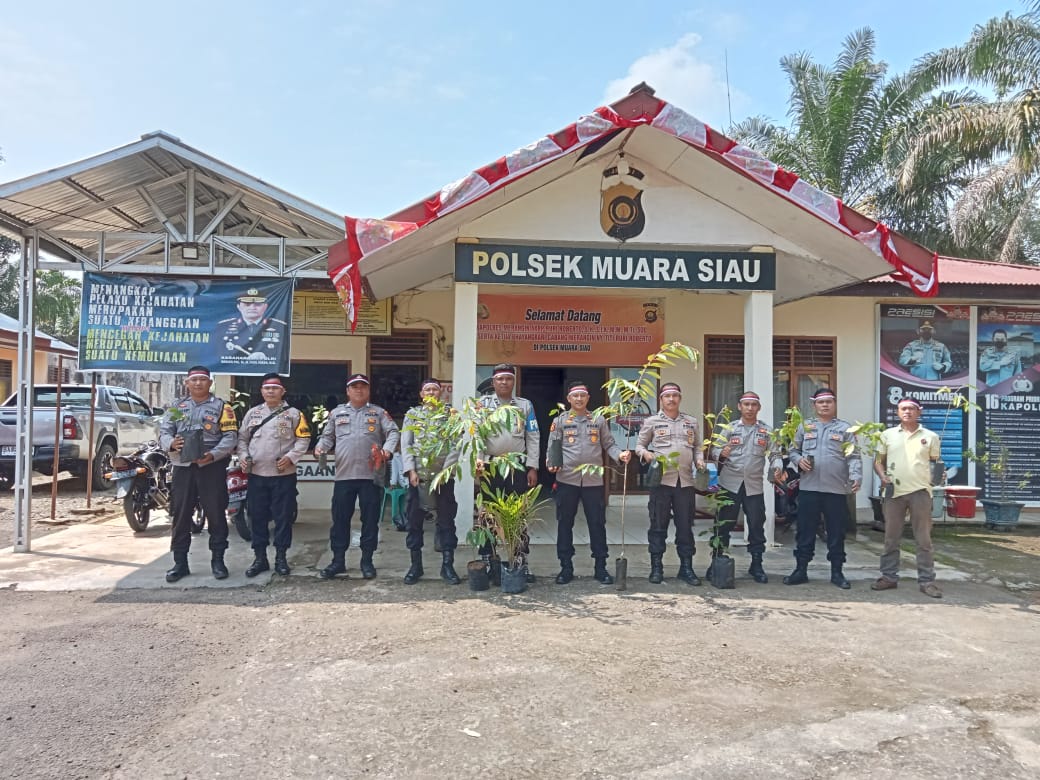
pixel 911 401
pixel 750 397
pixel 669 387
pixel 823 397
pixel 503 372
pixel 434 385
pixel 578 389
pixel 199 372
pixel 273 382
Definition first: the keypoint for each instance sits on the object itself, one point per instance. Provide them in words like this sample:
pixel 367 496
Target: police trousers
pixel 666 501
pixel 271 498
pixel 835 510
pixel 205 486
pixel 447 507
pixel 346 494
pixel 754 515
pixel 595 507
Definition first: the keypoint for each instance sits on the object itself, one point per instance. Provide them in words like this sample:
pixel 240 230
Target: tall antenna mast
pixel 729 102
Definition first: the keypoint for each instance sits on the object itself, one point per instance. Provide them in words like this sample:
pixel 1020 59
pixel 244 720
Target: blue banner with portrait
pixel 167 324
pixel 923 349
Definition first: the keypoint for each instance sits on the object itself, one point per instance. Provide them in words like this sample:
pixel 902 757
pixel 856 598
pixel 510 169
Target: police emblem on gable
pixel 621 213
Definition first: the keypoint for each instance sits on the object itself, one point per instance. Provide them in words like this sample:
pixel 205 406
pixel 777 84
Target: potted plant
pixel 508 516
pixel 465 431
pixel 627 397
pixel 1002 511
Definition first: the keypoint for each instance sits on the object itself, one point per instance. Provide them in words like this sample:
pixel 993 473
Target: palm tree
pixel 57 305
pixel 850 126
pixel 996 212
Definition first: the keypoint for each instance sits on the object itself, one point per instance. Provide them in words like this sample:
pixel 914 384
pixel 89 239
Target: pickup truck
pixel 122 423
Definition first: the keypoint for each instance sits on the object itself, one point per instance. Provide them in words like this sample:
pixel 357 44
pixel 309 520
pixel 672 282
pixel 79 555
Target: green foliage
pixel 508 516
pixel 782 437
pixel 629 394
pixel 714 430
pixel 56 298
pixel 995 456
pixel 867 439
pixel 467 430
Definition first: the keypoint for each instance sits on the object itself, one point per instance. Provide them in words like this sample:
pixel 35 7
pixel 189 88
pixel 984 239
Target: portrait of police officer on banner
pixel 251 335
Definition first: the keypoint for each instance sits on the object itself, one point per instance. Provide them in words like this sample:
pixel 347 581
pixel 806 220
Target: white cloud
pixel 681 78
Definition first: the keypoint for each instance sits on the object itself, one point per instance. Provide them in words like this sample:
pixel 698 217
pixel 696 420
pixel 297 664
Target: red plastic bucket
pixel 960 501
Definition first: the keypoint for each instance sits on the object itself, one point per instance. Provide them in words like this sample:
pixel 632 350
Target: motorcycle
pixel 237 483
pixel 786 497
pixel 142 481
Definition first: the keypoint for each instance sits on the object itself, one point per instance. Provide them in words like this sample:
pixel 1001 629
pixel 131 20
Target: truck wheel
pixel 102 464
pixel 137 513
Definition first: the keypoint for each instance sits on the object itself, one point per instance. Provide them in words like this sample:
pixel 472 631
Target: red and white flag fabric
pixel 346 278
pixel 368 235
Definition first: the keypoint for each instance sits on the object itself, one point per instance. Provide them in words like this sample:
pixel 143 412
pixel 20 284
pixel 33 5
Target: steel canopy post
pixel 30 257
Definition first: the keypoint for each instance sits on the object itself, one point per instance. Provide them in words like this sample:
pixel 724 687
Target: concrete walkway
pixel 108 555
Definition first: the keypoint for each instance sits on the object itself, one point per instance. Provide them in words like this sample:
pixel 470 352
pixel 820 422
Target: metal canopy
pixel 158 206
pixel 153 207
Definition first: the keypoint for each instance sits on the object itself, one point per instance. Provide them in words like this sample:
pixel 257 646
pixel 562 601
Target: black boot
pixel 656 570
pixel 338 566
pixel 600 574
pixel 368 570
pixel 180 566
pixel 281 565
pixel 566 571
pixel 686 572
pixel 838 578
pixel 448 572
pixel 259 563
pixel 414 573
pixel 758 574
pixel 217 566
pixel 799 576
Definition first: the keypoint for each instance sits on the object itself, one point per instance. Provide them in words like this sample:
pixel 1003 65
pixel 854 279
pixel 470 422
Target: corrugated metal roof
pixel 959 270
pixel 103 193
pixel 9 329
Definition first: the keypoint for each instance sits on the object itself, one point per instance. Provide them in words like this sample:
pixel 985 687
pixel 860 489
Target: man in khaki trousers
pixel 904 462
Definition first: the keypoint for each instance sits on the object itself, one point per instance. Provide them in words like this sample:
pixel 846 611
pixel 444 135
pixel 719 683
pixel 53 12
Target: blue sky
pixel 366 107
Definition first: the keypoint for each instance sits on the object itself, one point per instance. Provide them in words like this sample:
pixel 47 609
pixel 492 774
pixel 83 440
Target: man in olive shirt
pixel 904 461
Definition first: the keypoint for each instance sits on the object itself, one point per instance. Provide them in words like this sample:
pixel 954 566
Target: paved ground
pixel 111 673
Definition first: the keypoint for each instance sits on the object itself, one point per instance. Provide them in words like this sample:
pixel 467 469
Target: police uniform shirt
pixel 999 364
pixel 832 469
pixel 443 454
pixel 921 356
pixel 242 339
pixel 287 433
pixel 213 416
pixel 749 448
pixel 355 433
pixel 661 435
pixel 585 438
pixel 524 437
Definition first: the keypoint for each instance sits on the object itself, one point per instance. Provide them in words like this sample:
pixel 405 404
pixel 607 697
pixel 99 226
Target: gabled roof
pixel 9 330
pixel 959 270
pixel 125 190
pixel 641 125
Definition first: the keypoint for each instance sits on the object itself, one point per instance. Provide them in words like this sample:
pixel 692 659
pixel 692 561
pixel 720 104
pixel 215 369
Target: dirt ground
pixel 312 679
pixel 306 678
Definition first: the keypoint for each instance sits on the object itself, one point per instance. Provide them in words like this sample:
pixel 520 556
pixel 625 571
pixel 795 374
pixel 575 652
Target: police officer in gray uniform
pixel 924 356
pixel 524 438
pixel 421 441
pixel 742 463
pixel 207 425
pixel 251 335
pixel 580 438
pixel 828 475
pixel 274 436
pixel 364 438
pixel 666 433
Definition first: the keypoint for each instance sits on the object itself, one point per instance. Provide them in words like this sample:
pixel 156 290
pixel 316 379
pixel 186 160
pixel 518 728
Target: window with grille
pixel 800 366
pixel 397 365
